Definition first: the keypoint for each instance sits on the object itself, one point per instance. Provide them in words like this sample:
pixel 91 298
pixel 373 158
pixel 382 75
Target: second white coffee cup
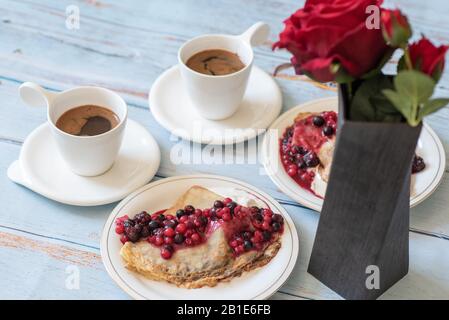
pixel 219 97
pixel 85 155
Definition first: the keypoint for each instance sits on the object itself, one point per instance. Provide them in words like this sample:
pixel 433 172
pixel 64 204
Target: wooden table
pixel 124 46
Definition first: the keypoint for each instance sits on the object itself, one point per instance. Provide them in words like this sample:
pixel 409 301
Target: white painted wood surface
pixel 124 46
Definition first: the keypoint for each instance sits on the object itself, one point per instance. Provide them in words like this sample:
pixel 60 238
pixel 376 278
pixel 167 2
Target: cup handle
pixel 257 34
pixel 34 95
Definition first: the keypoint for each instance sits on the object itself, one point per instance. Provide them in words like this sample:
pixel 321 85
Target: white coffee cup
pixel 85 155
pixel 219 97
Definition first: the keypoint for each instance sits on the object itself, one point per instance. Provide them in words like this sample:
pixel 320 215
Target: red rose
pixel 428 58
pixel 328 32
pixel 395 28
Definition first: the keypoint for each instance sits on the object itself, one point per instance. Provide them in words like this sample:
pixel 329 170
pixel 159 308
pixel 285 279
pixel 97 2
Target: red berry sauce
pixel 300 144
pixel 245 228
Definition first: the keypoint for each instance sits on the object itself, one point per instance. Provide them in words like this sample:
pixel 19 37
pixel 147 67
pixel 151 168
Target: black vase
pixel 362 242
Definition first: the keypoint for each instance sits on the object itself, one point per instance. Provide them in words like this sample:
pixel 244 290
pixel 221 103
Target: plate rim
pixel 274 287
pixel 28 182
pixel 227 140
pixel 414 201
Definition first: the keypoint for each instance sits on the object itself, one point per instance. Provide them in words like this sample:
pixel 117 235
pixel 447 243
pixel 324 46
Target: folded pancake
pixel 201 265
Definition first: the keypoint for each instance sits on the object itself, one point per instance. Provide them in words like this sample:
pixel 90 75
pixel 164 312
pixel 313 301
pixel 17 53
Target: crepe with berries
pixel 205 264
pixel 325 150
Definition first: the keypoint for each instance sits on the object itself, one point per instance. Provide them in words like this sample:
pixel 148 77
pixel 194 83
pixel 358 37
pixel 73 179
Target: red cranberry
pixel 169 232
pixel 189 209
pixel 226 201
pixel 181 228
pixel 318 121
pixel 196 238
pixel 119 229
pixel 151 239
pixel 226 216
pixel 219 213
pixel 266 225
pixel 124 239
pixel 170 217
pixel 188 242
pixel 183 219
pixel 328 131
pixel 267 212
pixel 292 170
pixel 168 240
pixel 166 254
pixel 218 204
pixel 258 236
pixel 239 249
pixel 190 225
pixel 169 223
pixel 159 241
pixel 206 213
pixel 198 212
pixel 179 238
pixel 234 243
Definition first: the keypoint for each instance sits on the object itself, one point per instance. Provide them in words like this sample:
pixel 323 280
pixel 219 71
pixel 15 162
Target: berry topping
pixel 418 164
pixel 218 204
pixel 311 159
pixel 180 213
pixel 318 121
pixel 189 209
pixel 328 131
pixel 253 229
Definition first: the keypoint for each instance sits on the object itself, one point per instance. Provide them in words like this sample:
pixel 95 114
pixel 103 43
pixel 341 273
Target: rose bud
pixel 328 37
pixel 395 28
pixel 428 58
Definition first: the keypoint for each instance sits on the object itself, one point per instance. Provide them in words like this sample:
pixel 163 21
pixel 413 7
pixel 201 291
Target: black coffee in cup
pixel 215 62
pixel 87 120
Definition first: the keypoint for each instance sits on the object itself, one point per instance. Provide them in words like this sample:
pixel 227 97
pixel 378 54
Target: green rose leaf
pixel 413 90
pixel 369 104
pixel 432 106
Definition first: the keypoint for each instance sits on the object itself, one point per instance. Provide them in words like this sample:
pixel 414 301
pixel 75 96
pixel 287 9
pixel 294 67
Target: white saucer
pixel 41 169
pixel 257 284
pixel 172 108
pixel 423 184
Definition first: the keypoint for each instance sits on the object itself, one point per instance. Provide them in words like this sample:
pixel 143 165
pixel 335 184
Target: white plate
pixel 257 284
pixel 423 184
pixel 41 169
pixel 172 108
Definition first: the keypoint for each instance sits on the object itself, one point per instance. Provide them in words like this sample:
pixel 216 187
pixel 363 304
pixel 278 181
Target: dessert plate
pixel 423 184
pixel 257 284
pixel 41 169
pixel 172 108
